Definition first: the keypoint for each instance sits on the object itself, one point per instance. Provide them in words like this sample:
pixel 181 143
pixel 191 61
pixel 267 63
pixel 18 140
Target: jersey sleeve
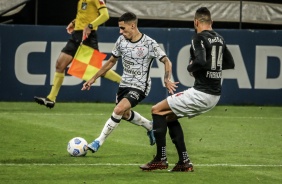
pixel 100 4
pixel 116 50
pixel 198 54
pixel 228 61
pixel 157 52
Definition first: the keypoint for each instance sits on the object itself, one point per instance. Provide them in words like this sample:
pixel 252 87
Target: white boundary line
pixel 101 114
pixel 129 164
pixel 53 114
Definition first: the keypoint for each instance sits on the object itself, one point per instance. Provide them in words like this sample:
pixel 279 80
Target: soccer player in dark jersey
pixel 137 51
pixel 209 56
pixel 90 14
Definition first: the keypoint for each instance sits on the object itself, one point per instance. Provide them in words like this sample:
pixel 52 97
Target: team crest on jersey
pixel 84 5
pixel 101 2
pixel 140 52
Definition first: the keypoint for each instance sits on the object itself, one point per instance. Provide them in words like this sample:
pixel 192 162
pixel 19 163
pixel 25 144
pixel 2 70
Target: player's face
pixel 126 29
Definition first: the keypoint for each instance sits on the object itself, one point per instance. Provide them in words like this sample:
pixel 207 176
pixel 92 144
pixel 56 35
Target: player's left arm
pixel 103 17
pixel 171 86
pixel 106 67
pixel 228 61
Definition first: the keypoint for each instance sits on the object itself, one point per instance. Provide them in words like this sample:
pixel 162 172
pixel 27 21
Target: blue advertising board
pixel 28 56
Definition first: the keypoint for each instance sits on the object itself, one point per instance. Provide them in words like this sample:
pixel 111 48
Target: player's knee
pixel 119 110
pixel 155 110
pixel 59 67
pixel 127 115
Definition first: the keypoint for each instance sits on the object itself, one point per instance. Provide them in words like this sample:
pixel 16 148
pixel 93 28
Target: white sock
pixel 141 121
pixel 108 128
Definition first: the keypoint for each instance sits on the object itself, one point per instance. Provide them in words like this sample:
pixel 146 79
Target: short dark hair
pixel 127 17
pixel 203 15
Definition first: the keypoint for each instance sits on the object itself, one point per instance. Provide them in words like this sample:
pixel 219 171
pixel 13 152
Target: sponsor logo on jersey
pixel 134 95
pixel 133 72
pixel 215 39
pixel 128 62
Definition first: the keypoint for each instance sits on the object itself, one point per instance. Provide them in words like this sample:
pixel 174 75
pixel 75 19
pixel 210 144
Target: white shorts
pixel 191 102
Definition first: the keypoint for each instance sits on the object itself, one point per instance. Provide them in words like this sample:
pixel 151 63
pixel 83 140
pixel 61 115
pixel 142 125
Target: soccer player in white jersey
pixel 137 51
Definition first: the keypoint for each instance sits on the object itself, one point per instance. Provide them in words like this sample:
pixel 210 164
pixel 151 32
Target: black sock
pixel 177 137
pixel 160 129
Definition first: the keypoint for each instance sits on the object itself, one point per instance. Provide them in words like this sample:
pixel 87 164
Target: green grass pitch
pixel 229 144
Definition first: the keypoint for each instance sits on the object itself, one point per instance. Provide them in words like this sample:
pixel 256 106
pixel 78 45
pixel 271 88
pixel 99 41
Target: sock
pixel 177 137
pixel 110 125
pixel 160 129
pixel 57 83
pixel 139 120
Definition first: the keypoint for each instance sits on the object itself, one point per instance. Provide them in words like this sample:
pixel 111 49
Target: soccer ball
pixel 77 147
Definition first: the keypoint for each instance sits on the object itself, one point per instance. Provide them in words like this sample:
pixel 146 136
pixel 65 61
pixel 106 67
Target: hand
pixel 171 86
pixel 86 32
pixel 70 28
pixel 87 85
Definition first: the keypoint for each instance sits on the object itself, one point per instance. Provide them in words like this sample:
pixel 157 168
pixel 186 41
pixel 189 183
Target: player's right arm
pixel 199 55
pixel 70 27
pixel 171 86
pixel 106 67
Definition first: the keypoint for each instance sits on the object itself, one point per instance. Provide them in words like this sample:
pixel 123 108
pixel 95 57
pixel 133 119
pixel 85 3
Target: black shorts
pixel 75 40
pixel 133 95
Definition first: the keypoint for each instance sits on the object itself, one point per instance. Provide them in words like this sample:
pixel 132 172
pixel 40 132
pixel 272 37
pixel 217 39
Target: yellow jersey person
pixel 90 14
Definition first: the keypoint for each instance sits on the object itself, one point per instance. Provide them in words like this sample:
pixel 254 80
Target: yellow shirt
pixel 87 12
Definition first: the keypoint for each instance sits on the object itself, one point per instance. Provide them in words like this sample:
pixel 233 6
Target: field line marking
pixel 53 114
pixel 102 114
pixel 247 117
pixel 130 164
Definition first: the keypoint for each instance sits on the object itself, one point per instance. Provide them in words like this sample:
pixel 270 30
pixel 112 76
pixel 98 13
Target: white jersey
pixel 137 58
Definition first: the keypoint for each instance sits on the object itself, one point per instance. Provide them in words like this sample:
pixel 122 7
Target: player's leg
pixel 189 103
pixel 159 112
pixel 111 124
pixel 63 61
pixel 134 96
pixel 177 137
pixel 137 119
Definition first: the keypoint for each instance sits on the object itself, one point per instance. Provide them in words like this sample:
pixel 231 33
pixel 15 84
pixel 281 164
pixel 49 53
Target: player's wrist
pixel 90 26
pixel 166 80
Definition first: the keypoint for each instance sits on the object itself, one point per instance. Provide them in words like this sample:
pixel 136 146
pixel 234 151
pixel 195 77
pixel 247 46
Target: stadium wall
pixel 28 55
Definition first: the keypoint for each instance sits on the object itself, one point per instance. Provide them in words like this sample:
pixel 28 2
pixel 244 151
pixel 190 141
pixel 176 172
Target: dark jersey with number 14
pixel 209 56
